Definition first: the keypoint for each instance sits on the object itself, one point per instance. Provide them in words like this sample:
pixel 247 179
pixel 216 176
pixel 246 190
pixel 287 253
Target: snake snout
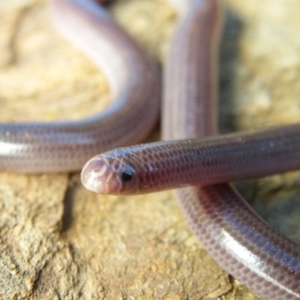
pixel 99 175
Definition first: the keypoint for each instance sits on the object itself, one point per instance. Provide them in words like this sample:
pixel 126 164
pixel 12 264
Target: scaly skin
pixel 135 86
pixel 238 239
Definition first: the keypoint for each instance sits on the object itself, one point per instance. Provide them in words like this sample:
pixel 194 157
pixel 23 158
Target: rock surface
pixel 59 241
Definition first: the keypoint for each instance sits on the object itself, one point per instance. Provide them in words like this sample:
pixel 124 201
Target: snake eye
pixel 126 176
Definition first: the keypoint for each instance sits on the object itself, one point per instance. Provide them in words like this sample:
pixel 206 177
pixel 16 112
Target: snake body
pixel 237 238
pixel 135 86
pixel 167 165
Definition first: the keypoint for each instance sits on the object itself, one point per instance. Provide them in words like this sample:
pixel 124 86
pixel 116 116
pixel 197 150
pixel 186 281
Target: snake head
pixel 110 173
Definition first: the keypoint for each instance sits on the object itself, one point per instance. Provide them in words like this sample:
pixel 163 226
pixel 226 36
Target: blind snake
pixel 237 238
pixel 173 164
